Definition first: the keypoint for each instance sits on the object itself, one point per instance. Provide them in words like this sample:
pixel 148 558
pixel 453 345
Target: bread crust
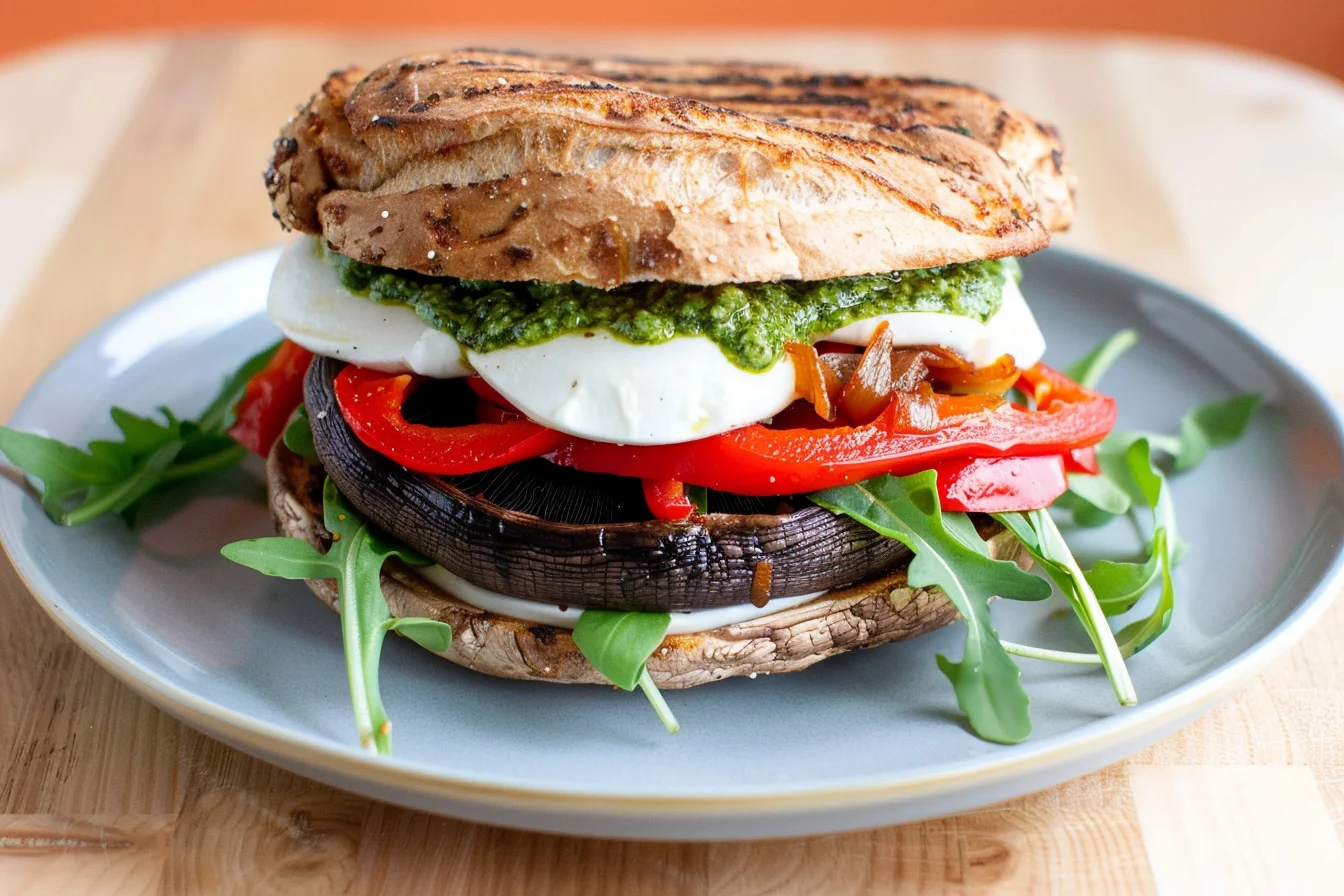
pixel 507 166
pixel 875 612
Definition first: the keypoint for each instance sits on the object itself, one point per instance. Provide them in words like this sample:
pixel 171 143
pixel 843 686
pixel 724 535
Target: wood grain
pixel 1207 169
pixel 116 854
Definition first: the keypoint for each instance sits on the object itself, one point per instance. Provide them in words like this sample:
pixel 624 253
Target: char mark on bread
pixel 507 166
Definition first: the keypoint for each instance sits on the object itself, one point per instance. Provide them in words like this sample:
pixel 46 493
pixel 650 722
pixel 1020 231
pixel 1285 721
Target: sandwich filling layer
pixel 749 322
pixel 683 623
pixel 599 384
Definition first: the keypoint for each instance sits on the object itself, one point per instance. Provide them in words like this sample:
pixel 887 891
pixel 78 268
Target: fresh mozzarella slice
pixel 312 307
pixel 1011 331
pixel 599 387
pixel 549 614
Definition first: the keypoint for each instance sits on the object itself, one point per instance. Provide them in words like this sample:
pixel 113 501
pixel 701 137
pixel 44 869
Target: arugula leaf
pixel 699 496
pixel 1096 500
pixel 1119 586
pixel 355 560
pixel 218 415
pixel 1090 368
pixel 1114 587
pixel 1210 425
pixel 619 644
pixel 1156 495
pixel 298 435
pixel 430 634
pixel 112 477
pixel 986 680
pixel 947 550
pixel 1042 539
pixel 63 469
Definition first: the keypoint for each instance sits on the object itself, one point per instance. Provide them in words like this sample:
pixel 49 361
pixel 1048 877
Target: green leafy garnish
pixel 699 496
pixel 1090 368
pixel 1119 585
pixel 1042 539
pixel 114 476
pixel 298 435
pixel 1154 493
pixel 986 680
pixel 1210 425
pixel 1095 500
pixel 949 553
pixel 355 560
pixel 619 644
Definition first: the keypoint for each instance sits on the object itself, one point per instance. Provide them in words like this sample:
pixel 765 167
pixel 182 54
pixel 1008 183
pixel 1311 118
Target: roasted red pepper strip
pixel 1000 484
pixel 371 403
pixel 270 398
pixel 667 499
pixel 917 431
pixel 1082 460
pixel 492 407
pixel 912 434
pixel 486 392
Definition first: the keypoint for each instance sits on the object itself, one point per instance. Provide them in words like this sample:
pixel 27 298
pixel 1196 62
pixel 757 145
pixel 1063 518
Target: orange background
pixel 1309 31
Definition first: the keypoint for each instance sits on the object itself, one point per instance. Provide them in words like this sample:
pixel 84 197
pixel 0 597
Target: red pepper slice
pixel 914 433
pixel 270 398
pixel 486 392
pixel 1082 460
pixel 1000 484
pixel 371 403
pixel 667 499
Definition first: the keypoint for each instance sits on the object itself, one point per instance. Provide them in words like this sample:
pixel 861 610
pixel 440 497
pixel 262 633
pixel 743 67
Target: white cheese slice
pixel 1011 331
pixel 600 387
pixel 312 307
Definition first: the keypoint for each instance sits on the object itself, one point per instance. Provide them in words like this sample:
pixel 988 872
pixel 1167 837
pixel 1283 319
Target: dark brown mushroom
pixel 649 566
pixel 876 611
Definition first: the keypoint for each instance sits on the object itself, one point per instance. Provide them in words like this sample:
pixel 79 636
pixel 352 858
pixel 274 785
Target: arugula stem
pixel 1053 656
pixel 130 490
pixel 210 462
pixel 1098 628
pixel 354 661
pixel 657 702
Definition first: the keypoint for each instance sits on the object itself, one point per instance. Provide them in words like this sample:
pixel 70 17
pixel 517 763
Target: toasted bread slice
pixel 877 611
pixel 506 166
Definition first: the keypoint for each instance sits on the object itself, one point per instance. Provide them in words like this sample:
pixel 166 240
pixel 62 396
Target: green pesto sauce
pixel 750 322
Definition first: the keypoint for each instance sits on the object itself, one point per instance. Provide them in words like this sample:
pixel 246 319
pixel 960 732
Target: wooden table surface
pixel 127 163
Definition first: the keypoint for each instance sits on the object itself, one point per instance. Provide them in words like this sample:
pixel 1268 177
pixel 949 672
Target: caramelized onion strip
pixel 810 378
pixel 869 389
pixel 860 387
pixel 963 377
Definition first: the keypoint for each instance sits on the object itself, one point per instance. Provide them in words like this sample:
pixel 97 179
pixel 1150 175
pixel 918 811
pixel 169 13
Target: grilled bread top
pixel 506 166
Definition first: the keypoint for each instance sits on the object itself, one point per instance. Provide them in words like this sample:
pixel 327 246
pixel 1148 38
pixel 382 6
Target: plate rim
pixel 270 739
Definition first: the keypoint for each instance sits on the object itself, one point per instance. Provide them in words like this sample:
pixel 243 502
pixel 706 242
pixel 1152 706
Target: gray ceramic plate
pixel 862 740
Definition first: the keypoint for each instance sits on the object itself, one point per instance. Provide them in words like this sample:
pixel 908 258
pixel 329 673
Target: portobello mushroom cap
pixel 647 565
pixel 882 609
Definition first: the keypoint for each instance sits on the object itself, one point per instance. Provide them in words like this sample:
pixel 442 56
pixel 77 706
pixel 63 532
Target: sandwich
pixel 655 375
pixel 590 337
